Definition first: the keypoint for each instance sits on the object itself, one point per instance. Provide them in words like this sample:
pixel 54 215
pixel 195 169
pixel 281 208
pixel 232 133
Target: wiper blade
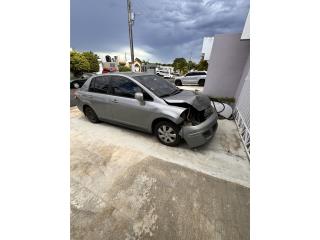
pixel 165 95
pixel 172 93
pixel 176 91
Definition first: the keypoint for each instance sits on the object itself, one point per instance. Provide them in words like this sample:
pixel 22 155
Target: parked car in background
pixel 192 78
pixel 78 82
pixel 151 104
pixel 164 74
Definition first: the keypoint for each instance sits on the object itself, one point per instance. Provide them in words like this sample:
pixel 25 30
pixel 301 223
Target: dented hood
pixel 199 101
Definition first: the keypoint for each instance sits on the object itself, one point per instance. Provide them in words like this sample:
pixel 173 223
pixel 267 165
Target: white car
pixel 164 74
pixel 192 78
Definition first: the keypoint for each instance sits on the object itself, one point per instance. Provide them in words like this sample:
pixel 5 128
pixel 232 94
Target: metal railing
pixel 242 114
pixel 243 129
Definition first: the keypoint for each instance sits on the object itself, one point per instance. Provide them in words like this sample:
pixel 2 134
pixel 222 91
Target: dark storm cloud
pixel 166 29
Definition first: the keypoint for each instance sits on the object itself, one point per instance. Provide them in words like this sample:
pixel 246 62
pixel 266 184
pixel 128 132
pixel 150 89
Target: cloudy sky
pixel 163 29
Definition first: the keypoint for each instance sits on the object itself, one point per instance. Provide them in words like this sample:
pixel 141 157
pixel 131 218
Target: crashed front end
pixel 200 117
pixel 197 135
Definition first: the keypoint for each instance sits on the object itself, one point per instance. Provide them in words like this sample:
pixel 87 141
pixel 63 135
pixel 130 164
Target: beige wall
pixel 228 58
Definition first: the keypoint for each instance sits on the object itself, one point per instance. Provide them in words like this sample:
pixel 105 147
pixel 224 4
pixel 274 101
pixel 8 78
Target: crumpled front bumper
pixel 198 135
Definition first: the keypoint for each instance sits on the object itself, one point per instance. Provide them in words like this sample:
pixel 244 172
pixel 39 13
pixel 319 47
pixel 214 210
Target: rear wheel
pixel 91 115
pixel 168 133
pixel 201 82
pixel 178 82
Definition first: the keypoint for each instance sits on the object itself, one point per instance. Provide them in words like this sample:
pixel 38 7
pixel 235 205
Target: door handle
pixel 115 101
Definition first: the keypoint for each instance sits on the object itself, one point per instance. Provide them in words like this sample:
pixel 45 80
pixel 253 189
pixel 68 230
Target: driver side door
pixel 127 110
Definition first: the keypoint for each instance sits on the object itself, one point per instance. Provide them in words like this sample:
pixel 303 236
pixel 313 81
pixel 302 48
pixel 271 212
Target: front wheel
pixel 178 82
pixel 201 82
pixel 168 133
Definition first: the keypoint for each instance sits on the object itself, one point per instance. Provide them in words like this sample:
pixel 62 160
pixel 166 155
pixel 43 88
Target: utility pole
pixel 130 24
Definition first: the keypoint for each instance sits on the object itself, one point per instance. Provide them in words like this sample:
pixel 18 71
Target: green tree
pixel 181 65
pixel 191 65
pixel 93 61
pixel 78 63
pixel 202 65
pixel 123 68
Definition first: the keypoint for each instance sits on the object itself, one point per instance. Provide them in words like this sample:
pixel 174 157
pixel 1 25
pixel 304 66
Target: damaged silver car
pixel 151 104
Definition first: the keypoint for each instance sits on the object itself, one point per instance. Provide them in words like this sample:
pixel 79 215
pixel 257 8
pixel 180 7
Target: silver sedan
pixel 151 104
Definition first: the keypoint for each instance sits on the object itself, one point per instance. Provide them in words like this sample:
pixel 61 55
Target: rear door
pixel 125 108
pixel 98 97
pixel 195 78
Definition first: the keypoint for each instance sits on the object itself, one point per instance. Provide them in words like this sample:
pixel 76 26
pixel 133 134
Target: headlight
pixel 214 107
pixel 183 115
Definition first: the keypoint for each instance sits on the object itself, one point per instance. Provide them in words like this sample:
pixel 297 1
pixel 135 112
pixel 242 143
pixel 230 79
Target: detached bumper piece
pixel 198 135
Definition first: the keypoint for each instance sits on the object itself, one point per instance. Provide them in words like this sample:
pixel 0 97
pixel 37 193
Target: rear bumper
pixel 198 135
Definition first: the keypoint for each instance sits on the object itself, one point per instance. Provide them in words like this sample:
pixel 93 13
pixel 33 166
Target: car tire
pixel 201 82
pixel 91 115
pixel 167 133
pixel 178 82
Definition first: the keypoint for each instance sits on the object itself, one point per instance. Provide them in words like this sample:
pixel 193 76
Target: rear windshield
pixel 156 84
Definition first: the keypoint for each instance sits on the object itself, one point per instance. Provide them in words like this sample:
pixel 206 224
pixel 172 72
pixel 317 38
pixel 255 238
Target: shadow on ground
pixel 121 194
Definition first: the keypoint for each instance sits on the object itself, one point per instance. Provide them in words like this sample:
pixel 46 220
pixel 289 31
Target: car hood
pixel 199 101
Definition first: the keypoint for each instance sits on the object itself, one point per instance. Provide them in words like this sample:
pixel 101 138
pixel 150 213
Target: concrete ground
pixel 126 185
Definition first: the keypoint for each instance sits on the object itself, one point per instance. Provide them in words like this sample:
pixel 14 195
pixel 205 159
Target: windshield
pixel 157 85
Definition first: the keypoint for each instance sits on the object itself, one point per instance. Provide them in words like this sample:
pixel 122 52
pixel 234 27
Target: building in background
pixel 108 63
pixel 207 48
pixel 228 75
pixel 164 69
pixel 149 68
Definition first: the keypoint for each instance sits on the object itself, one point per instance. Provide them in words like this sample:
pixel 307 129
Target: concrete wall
pixel 228 58
pixel 245 72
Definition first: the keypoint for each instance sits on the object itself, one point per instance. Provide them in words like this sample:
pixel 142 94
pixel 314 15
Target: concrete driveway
pixel 126 185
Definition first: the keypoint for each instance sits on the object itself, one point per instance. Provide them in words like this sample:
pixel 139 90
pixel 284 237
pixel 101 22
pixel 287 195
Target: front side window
pixel 189 74
pixel 123 87
pixel 99 84
pixel 157 85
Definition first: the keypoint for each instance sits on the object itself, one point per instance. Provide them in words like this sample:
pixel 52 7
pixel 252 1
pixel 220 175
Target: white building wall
pixel 246 30
pixel 207 47
pixel 243 102
pixel 228 58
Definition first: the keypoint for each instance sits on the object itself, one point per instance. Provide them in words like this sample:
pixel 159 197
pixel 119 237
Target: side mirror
pixel 139 97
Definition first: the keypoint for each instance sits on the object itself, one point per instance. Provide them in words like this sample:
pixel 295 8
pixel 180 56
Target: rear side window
pixel 100 84
pixel 200 73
